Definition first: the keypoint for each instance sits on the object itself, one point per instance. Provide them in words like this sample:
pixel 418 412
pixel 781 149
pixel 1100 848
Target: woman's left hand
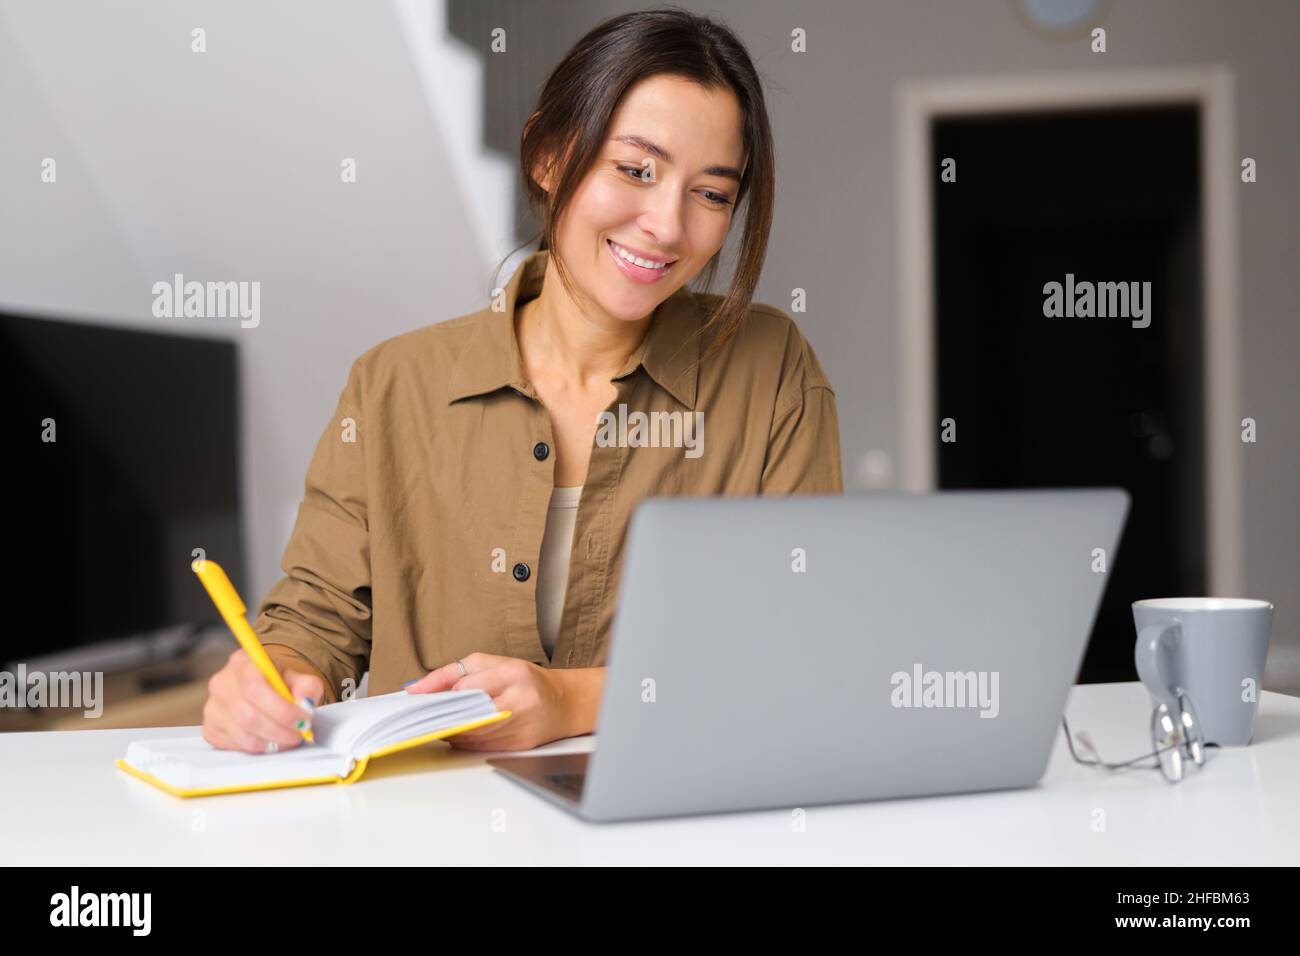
pixel 534 696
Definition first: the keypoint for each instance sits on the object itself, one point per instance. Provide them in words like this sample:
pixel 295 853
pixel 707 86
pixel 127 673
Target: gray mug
pixel 1213 649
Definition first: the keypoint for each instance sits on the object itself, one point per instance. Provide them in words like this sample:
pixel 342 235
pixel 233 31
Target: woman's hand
pixel 538 700
pixel 244 712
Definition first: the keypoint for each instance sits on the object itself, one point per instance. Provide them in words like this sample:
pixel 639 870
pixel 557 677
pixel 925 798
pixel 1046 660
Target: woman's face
pixel 663 187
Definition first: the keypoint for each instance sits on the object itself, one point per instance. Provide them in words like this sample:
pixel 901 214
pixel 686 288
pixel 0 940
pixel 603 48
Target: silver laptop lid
pixel 773 652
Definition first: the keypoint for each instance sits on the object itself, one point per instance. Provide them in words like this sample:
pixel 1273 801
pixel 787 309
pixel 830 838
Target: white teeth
pixel 643 263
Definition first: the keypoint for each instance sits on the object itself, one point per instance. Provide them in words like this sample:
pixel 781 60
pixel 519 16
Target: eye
pixel 638 172
pixel 716 199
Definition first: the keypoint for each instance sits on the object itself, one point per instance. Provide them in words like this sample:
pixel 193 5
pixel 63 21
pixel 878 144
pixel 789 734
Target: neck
pixel 559 337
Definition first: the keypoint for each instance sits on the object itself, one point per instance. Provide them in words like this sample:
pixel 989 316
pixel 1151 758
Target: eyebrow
pixel 654 149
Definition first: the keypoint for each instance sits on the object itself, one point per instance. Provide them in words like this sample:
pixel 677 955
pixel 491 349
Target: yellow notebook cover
pixel 352 777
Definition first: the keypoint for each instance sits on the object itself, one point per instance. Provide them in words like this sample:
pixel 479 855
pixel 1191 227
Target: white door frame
pixel 1212 90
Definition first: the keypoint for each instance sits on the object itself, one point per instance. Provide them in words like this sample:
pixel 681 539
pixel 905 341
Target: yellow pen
pixel 226 598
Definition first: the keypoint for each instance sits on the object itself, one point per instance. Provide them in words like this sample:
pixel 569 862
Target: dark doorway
pixel 1105 196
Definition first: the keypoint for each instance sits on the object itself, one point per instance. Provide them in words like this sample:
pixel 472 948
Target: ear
pixel 541 171
pixel 544 173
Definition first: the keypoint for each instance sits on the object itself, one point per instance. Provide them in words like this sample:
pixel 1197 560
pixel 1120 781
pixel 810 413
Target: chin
pixel 631 308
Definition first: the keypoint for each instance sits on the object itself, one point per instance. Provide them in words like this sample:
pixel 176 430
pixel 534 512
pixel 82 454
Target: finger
pixel 249 718
pixel 228 736
pixel 305 685
pixel 248 743
pixel 444 677
pixel 436 680
pixel 495 681
pixel 214 732
pixel 277 711
pixel 479 661
pixel 256 724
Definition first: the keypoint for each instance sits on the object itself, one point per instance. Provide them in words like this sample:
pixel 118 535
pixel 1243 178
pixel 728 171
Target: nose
pixel 662 216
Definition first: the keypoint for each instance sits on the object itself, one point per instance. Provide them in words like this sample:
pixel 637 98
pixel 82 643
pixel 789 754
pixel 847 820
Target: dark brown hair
pixel 578 103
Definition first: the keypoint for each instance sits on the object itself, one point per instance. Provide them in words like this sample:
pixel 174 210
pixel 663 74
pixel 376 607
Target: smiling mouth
pixel 655 265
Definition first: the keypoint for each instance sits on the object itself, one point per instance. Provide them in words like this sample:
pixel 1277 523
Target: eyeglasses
pixel 1175 738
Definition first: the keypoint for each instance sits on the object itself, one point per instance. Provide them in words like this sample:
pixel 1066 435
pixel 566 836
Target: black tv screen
pixel 99 524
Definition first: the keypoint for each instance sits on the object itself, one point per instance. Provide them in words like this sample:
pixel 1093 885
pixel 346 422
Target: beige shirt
pixel 426 500
pixel 553 568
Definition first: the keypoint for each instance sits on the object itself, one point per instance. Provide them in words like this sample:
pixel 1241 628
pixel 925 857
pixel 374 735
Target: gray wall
pixel 226 167
pixel 834 235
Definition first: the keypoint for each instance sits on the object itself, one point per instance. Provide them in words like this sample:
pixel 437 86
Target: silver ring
pixel 462 668
pixel 272 747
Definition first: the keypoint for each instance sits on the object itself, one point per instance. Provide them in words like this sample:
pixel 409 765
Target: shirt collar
pixel 492 361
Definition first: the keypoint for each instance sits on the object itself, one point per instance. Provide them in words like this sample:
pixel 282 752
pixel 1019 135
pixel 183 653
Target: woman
pixel 466 509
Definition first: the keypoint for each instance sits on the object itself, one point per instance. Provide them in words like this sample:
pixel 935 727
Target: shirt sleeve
pixel 321 608
pixel 803 454
pixel 803 448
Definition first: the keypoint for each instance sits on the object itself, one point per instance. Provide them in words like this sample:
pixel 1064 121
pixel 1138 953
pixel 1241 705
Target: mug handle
pixel 1153 640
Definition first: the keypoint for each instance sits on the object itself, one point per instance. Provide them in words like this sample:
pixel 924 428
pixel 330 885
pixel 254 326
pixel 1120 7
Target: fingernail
pixel 302 725
pixel 307 703
pixel 409 683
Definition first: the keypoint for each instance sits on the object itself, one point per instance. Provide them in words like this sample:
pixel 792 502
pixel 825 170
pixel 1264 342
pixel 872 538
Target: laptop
pixel 782 652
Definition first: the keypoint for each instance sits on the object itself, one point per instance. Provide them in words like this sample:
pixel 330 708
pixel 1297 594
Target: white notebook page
pixel 344 732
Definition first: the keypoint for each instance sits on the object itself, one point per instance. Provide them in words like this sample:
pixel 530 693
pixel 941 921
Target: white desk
pixel 64 802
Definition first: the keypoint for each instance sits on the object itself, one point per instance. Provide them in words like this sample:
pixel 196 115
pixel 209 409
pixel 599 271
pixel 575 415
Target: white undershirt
pixel 553 567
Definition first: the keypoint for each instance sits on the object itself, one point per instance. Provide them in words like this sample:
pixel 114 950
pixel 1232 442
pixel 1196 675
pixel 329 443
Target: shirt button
pixel 521 571
pixel 541 450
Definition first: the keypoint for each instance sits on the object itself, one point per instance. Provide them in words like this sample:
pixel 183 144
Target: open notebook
pixel 348 735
